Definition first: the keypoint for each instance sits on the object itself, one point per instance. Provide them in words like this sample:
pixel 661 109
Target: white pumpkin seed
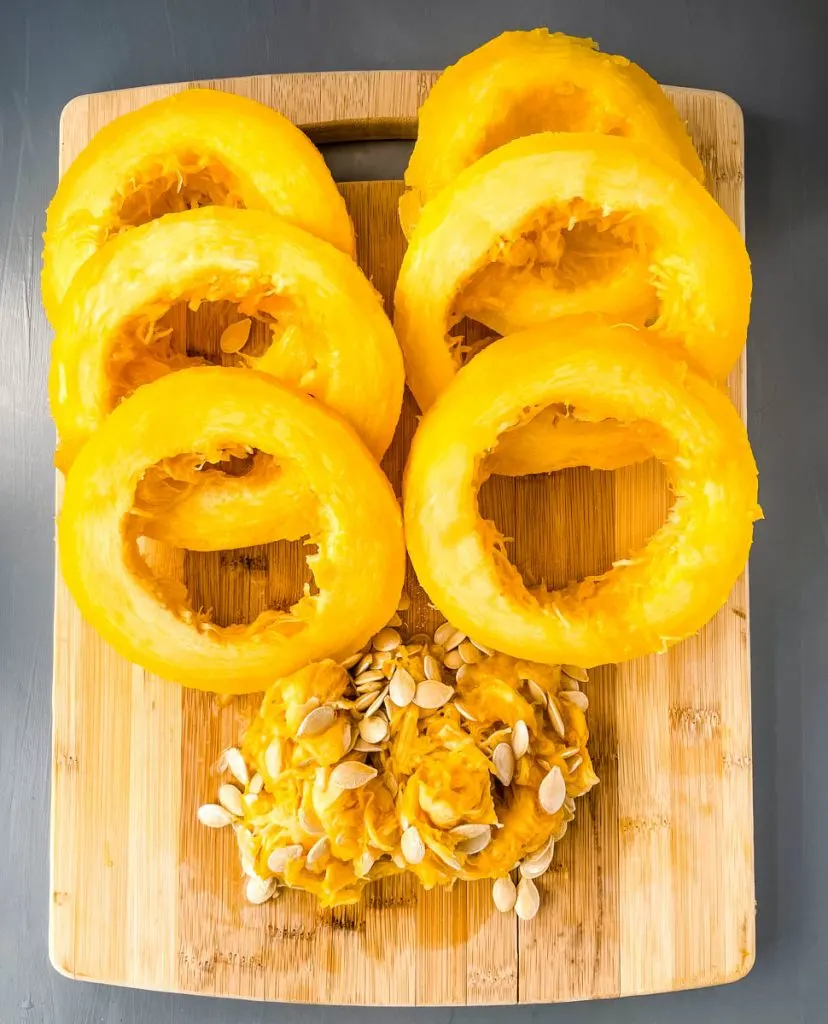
pixel 365 700
pixel 395 621
pixel 281 856
pixel 431 695
pixel 453 660
pixel 484 650
pixel 318 853
pixel 247 850
pixel 464 712
pixel 537 863
pixel 503 760
pixel 373 675
pixel 537 692
pixel 376 703
pixel 387 639
pixel 575 672
pixel 363 747
pixel 580 700
pixel 353 660
pixel 231 799
pixel 431 668
pixel 260 890
pixel 552 790
pixel 233 761
pixel 504 894
pixel 402 688
pixel 469 653
pixel 352 774
pixel 363 863
pixel 273 758
pixel 569 805
pixel 404 602
pixel 520 738
pixel 453 642
pixel 443 632
pixel 256 785
pixel 460 674
pixel 364 664
pixel 570 752
pixel 214 815
pixel 555 717
pixel 412 845
pixel 316 722
pixel 575 764
pixel 476 838
pixel 527 902
pixel 309 821
pixel 373 729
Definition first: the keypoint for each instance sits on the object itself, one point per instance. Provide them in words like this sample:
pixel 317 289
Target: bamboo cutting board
pixel 652 888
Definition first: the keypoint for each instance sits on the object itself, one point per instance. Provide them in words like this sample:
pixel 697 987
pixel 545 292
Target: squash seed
pixel 376 703
pixel 234 338
pixel 395 621
pixel 386 640
pixel 580 700
pixel 474 838
pixel 352 774
pixel 258 890
pixel 443 632
pixel 318 853
pixel 309 822
pixel 503 760
pixel 362 747
pixel 520 738
pixel 233 761
pixel 316 722
pixel 464 712
pixel 469 653
pixel 256 785
pixel 404 602
pixel 453 642
pixel 214 815
pixel 231 799
pixel 453 660
pixel 373 729
pixel 552 790
pixel 459 675
pixel 364 664
pixel 431 695
pixel 555 717
pixel 527 902
pixel 412 845
pixel 575 764
pixel 431 668
pixel 575 672
pixel 537 864
pixel 373 675
pixel 402 688
pixel 279 859
pixel 504 894
pixel 483 650
pixel 273 758
pixel 537 692
pixel 349 663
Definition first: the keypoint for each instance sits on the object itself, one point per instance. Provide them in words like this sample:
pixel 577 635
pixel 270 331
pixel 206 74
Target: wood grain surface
pixel 652 888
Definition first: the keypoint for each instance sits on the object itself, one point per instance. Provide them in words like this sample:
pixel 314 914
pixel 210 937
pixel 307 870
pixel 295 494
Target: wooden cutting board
pixel 652 888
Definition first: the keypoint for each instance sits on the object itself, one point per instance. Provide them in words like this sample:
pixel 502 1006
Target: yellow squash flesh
pixel 656 597
pixel 331 339
pixel 521 83
pixel 199 147
pixel 698 269
pixel 202 411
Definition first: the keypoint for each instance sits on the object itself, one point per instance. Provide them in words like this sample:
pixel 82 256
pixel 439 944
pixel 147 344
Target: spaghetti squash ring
pixel 525 82
pixel 642 204
pixel 199 147
pixel 331 339
pixel 651 600
pixel 358 569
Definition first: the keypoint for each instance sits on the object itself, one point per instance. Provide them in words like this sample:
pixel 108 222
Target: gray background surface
pixel 768 54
